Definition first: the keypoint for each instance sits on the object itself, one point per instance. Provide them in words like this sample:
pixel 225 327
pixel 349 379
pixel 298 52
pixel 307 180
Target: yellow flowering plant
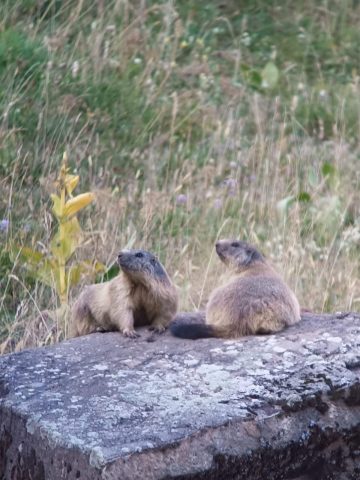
pixel 54 267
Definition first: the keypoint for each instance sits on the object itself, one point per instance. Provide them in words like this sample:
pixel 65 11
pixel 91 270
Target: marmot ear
pixel 252 255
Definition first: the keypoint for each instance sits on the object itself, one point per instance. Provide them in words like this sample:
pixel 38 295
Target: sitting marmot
pixel 142 294
pixel 254 300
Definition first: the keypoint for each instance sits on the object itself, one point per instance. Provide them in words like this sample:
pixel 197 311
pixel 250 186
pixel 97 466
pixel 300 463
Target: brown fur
pixel 254 300
pixel 142 294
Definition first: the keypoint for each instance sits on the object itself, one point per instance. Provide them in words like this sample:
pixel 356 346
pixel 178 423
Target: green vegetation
pixel 189 121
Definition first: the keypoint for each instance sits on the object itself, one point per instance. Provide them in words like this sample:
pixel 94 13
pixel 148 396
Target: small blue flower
pixel 181 199
pixel 230 183
pixel 4 225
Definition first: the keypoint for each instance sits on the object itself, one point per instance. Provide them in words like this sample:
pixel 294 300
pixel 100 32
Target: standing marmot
pixel 255 299
pixel 142 294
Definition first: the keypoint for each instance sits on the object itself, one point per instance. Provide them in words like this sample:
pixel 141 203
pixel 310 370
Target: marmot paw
pixel 130 333
pixel 157 328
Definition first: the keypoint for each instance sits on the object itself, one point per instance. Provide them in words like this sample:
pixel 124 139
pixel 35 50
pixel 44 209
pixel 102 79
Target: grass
pixel 171 114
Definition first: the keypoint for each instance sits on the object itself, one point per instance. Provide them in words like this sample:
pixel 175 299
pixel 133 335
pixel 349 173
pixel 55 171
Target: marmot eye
pixel 139 255
pixel 235 244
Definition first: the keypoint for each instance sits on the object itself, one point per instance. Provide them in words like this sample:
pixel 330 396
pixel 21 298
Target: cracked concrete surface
pixel 285 406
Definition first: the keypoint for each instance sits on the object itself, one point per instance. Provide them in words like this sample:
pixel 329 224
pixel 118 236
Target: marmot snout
pixel 142 294
pixel 141 266
pixel 255 299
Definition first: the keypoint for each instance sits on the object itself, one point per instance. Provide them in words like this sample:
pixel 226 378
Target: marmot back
pixel 142 294
pixel 254 300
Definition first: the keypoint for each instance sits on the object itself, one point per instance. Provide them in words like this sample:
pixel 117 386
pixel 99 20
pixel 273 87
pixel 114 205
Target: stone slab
pixel 285 406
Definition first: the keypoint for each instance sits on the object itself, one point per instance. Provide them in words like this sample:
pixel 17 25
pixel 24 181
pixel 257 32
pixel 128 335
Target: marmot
pixel 142 294
pixel 255 299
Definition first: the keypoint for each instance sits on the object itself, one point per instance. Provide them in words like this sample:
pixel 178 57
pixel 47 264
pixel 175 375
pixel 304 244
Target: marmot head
pixel 141 266
pixel 237 255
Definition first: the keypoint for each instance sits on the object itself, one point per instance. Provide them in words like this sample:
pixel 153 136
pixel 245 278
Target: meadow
pixel 189 121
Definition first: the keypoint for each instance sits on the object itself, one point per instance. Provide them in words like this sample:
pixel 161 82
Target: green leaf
pixel 255 79
pixel 269 75
pixel 252 77
pixel 328 170
pixel 110 273
pixel 303 197
pixel 245 69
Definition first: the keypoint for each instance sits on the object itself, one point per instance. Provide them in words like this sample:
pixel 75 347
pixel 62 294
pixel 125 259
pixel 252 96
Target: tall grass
pixel 170 120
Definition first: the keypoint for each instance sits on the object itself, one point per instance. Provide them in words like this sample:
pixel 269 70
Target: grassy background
pixel 190 120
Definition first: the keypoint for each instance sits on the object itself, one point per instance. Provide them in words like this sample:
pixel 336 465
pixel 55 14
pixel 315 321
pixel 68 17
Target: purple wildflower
pixel 181 199
pixel 4 225
pixel 231 184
